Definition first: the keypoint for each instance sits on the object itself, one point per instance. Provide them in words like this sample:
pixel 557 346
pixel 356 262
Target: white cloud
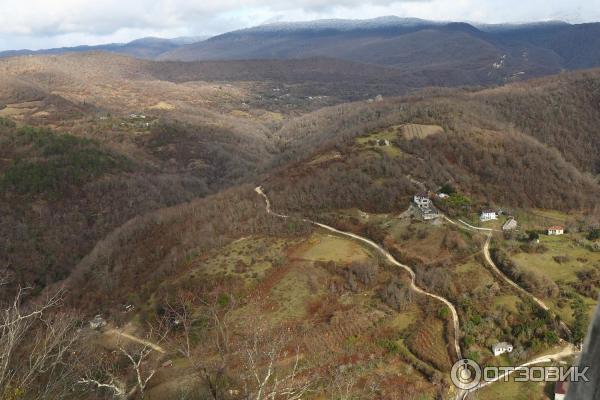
pixel 43 23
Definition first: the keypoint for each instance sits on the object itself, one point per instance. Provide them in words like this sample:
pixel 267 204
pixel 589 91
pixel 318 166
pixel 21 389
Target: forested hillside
pixel 62 193
pixel 129 193
pixel 489 159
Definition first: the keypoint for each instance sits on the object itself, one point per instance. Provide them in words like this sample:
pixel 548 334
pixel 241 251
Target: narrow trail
pixel 388 257
pixel 120 334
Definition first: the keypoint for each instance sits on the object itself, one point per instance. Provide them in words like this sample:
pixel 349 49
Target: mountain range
pixel 455 52
pixel 148 48
pixel 441 53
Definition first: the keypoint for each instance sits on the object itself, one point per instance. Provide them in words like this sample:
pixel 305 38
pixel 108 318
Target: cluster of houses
pixel 511 223
pixel 425 206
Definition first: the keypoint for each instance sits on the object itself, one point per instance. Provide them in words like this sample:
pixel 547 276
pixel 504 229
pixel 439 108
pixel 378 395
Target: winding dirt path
pixel 504 277
pixel 569 350
pixel 389 257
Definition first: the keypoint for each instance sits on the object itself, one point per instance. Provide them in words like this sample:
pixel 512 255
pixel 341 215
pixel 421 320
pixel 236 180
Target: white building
pixel 488 215
pixel 422 200
pixel 501 348
pixel 556 230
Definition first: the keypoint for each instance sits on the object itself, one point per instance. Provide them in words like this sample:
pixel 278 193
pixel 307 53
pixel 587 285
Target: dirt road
pixel 388 257
pixel 567 351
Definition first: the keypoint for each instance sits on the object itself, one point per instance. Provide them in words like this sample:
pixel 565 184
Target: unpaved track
pixel 120 334
pixel 389 257
pixel 461 394
pixel 488 259
pixel 567 351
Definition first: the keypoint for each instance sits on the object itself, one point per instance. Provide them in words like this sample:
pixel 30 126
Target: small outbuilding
pixel 501 348
pixel 510 224
pixel 556 230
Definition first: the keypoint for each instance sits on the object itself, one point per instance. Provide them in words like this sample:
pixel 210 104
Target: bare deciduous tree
pixel 267 376
pixel 107 375
pixel 342 385
pixel 211 361
pixel 39 348
pixel 179 319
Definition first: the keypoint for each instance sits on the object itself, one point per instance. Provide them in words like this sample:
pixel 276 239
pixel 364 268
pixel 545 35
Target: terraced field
pixel 429 344
pixel 416 131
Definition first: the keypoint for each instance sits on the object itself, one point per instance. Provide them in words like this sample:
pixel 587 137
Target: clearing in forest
pixel 416 131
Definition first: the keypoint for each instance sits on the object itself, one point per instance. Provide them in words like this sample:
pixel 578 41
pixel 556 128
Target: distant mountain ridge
pixel 342 24
pixel 453 53
pixel 443 53
pixel 147 48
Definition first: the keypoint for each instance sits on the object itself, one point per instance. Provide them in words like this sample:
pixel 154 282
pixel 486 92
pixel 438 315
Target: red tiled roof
pixel 556 228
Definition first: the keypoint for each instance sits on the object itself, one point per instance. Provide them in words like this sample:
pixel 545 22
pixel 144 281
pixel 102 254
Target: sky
pixel 36 24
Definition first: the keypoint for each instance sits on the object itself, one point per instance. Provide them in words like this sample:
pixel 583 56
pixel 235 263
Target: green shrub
pixel 6 123
pixel 390 345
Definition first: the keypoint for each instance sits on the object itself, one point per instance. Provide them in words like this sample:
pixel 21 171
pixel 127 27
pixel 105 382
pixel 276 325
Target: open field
pixel 538 219
pixel 416 131
pixel 249 258
pixel 327 247
pixel 509 301
pixel 514 391
pixel 381 141
pixel 295 290
pixel 419 239
pixel 578 258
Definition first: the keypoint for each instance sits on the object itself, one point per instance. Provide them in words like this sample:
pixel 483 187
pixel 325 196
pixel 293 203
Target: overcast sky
pixel 36 24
